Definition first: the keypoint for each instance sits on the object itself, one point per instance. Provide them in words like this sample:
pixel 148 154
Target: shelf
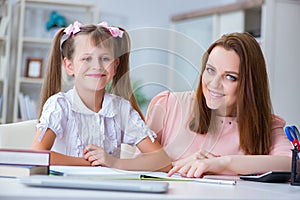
pixel 61 3
pixel 5 56
pixel 37 40
pixel 34 42
pixel 31 80
pixel 3 38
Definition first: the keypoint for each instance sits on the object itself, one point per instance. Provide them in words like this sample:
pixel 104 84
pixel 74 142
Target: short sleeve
pixel 280 143
pixel 134 127
pixel 155 117
pixel 54 115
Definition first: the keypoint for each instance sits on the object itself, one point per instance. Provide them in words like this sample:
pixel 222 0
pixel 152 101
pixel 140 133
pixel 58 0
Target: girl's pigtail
pixel 121 85
pixel 52 79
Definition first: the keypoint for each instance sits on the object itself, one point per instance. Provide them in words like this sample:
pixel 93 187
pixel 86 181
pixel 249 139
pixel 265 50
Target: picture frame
pixel 34 68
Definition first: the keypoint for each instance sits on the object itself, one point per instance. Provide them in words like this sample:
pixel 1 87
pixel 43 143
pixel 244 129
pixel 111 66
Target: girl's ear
pixel 116 64
pixel 68 66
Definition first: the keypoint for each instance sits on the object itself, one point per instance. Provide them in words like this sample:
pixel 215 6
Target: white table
pixel 11 189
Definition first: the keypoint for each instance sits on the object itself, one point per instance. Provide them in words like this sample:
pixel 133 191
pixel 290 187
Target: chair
pixel 18 135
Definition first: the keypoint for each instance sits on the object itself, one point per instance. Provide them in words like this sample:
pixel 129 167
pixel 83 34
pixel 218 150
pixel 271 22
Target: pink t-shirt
pixel 169 114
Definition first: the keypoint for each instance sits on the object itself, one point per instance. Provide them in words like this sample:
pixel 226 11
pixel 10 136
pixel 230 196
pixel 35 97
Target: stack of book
pixel 18 163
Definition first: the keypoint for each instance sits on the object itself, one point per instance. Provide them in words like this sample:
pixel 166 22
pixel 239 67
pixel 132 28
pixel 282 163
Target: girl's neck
pixel 92 99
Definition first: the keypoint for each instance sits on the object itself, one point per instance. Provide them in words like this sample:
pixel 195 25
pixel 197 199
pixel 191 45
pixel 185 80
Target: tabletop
pixel 10 188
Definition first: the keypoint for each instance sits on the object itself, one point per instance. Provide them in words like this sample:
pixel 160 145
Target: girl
pixel 228 120
pixel 86 125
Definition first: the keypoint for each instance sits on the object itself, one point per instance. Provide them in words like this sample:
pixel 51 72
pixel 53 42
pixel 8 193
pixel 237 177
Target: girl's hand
pixel 197 168
pixel 97 156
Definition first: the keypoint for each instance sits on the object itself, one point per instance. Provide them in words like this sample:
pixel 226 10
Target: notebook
pixel 95 184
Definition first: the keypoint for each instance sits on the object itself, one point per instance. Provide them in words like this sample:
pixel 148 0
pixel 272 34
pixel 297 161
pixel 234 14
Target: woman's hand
pixel 97 156
pixel 197 168
pixel 201 154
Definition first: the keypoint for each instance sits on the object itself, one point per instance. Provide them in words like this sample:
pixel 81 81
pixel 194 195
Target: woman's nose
pixel 216 81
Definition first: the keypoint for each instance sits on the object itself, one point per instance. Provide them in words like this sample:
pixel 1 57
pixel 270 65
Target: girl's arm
pixel 238 164
pixel 152 158
pixel 55 158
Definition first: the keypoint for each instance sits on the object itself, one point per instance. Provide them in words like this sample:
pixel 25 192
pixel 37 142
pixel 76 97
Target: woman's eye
pixel 210 70
pixel 231 78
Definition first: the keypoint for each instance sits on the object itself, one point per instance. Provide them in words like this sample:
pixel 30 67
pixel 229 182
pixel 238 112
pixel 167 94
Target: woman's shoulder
pixel 277 121
pixel 173 97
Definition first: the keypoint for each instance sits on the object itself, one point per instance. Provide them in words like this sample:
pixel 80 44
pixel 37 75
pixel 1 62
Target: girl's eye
pixel 231 78
pixel 105 59
pixel 87 59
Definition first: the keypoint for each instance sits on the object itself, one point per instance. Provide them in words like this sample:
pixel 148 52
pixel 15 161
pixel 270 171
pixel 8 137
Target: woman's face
pixel 220 79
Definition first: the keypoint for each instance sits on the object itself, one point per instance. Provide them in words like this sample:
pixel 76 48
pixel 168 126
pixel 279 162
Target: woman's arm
pixel 238 164
pixel 55 158
pixel 152 158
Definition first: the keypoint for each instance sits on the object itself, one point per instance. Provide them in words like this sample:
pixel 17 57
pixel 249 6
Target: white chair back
pixel 17 135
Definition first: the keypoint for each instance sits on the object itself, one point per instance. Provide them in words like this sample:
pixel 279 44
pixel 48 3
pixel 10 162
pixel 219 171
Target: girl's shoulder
pixel 112 104
pixel 60 98
pixel 115 99
pixel 59 95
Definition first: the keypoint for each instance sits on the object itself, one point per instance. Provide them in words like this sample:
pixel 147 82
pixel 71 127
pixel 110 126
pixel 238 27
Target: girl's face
pixel 93 67
pixel 220 79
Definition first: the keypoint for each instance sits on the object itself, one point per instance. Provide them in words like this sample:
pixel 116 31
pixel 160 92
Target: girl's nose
pixel 97 64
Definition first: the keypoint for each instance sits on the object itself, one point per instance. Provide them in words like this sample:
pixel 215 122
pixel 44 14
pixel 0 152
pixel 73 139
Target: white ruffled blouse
pixel 76 126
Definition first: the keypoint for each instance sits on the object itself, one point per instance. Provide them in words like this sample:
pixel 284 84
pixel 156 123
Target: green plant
pixel 138 93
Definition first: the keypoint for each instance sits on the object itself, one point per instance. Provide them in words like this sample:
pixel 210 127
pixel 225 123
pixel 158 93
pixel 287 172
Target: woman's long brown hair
pixel 100 36
pixel 254 108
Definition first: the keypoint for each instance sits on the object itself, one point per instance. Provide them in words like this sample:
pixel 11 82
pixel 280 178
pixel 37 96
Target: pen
pixel 199 180
pixel 292 134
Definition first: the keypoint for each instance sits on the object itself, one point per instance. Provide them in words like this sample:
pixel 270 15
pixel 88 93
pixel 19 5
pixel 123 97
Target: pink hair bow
pixel 72 29
pixel 114 31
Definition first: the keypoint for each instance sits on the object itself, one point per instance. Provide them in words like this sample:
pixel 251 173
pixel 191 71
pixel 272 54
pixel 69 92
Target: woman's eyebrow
pixel 228 72
pixel 232 72
pixel 209 64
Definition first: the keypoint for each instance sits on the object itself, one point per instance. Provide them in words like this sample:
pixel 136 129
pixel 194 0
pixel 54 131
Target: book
pixel 99 172
pixel 24 157
pixel 112 173
pixel 22 170
pixel 3 25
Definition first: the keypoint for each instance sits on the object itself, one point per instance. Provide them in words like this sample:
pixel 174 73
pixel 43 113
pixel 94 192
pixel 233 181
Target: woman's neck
pixel 224 113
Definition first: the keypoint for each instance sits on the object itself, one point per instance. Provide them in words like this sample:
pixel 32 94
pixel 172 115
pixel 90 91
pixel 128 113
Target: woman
pixel 228 120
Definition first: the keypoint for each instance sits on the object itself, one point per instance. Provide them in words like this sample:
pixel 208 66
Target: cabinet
pixel 5 43
pixel 33 47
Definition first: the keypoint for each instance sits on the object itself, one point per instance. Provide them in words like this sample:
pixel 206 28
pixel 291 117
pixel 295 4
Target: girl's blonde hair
pixel 99 35
pixel 254 108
